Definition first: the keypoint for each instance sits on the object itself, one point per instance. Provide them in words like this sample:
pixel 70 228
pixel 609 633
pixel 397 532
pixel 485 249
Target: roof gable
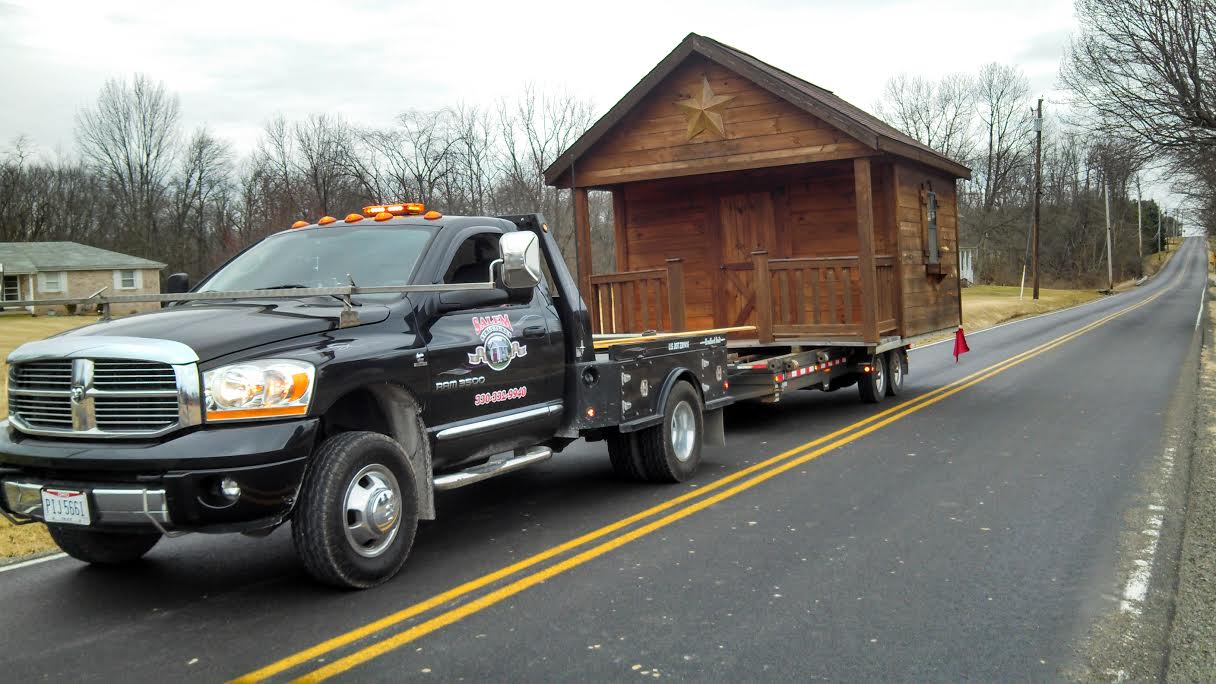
pixel 858 125
pixel 32 257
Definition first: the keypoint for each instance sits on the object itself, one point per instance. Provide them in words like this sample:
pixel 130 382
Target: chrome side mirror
pixel 520 260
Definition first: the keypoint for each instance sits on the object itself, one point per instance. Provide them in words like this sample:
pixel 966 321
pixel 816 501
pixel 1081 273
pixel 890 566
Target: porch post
pixel 764 296
pixel 675 293
pixel 865 252
pixel 582 238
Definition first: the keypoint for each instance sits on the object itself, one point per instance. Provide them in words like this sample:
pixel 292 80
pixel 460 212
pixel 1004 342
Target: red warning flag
pixel 960 344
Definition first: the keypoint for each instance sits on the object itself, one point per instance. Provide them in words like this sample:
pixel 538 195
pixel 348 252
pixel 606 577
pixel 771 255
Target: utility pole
pixel 1038 189
pixel 1139 227
pixel 1160 212
pixel 1110 264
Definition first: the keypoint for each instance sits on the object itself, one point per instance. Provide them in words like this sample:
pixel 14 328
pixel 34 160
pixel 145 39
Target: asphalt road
pixel 968 534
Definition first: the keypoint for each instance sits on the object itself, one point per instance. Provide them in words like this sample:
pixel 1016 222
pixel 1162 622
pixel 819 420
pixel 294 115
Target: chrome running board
pixel 499 465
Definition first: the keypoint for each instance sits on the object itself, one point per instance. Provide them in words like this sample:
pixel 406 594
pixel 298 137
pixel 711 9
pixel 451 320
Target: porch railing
pixel 636 301
pixel 819 296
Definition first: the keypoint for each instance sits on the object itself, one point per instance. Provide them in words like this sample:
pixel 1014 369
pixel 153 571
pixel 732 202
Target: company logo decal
pixel 497 349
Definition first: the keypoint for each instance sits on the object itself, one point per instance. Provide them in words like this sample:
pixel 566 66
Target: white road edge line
pixel 1203 293
pixel 32 561
pixel 1135 592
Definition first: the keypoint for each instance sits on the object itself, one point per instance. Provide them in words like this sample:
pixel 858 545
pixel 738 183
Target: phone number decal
pixel 500 395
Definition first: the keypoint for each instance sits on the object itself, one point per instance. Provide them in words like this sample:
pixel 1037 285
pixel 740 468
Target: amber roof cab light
pixel 398 209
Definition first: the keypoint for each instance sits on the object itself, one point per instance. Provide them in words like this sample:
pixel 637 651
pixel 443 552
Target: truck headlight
pixel 268 388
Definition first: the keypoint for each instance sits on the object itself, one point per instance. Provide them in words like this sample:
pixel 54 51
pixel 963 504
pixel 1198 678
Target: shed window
pixel 931 244
pixel 51 281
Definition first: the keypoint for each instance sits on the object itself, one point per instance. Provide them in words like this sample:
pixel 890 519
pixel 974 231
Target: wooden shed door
pixel 747 225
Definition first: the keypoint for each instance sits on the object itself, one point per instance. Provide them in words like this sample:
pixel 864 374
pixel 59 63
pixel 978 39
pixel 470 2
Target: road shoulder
pixel 1192 641
pixel 1129 637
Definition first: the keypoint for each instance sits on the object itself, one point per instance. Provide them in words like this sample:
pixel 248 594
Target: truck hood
pixel 213 330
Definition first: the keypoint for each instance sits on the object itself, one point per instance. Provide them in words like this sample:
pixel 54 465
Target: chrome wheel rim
pixel 372 510
pixel 897 373
pixel 683 431
pixel 880 376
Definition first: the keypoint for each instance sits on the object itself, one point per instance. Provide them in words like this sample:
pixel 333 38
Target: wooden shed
pixel 744 195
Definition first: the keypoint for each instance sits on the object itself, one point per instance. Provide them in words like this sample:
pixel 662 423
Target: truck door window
pixel 471 263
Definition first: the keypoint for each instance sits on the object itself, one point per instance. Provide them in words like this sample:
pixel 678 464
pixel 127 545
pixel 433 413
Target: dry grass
pixel 15 330
pixel 987 305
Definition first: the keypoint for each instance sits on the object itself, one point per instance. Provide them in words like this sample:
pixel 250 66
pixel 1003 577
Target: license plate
pixel 65 506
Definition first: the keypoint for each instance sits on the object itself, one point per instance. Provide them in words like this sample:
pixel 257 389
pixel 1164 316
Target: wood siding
pixel 930 302
pixel 714 223
pixel 760 131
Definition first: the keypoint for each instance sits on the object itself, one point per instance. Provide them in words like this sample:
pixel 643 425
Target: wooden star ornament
pixel 704 111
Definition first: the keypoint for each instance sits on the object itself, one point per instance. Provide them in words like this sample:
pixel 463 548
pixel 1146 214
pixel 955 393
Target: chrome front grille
pixel 42 412
pixel 43 375
pixel 120 376
pixel 102 397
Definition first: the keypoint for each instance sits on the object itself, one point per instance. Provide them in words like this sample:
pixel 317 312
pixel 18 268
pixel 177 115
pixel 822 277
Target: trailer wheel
pixel 671 450
pixel 103 548
pixel 358 511
pixel 895 372
pixel 872 386
pixel 626 460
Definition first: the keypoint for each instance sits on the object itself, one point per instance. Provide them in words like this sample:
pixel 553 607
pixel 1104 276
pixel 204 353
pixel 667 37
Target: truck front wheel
pixel 102 548
pixel 671 450
pixel 358 511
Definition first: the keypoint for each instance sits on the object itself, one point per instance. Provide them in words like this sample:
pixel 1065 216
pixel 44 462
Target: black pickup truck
pixel 336 375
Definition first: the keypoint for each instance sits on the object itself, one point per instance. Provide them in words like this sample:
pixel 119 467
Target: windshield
pixel 372 256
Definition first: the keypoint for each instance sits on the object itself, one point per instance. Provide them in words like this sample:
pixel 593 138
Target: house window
pixel 51 281
pixel 127 280
pixel 12 288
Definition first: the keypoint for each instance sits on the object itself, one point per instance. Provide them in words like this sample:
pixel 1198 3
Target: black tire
pixel 320 522
pixel 661 458
pixel 872 386
pixel 895 372
pixel 103 548
pixel 625 458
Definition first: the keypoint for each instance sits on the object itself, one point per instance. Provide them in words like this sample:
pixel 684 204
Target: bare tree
pixel 130 139
pixel 535 129
pixel 1147 69
pixel 199 201
pixel 1003 105
pixel 939 114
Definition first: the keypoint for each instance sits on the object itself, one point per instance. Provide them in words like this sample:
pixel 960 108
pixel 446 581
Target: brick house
pixel 70 270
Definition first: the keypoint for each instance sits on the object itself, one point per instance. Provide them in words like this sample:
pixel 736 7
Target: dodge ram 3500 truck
pixel 336 375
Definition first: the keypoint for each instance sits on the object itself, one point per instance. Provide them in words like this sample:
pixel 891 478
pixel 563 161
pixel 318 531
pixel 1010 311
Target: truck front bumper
pixel 172 484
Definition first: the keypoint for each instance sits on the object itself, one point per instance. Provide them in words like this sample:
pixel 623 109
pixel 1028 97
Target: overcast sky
pixel 236 64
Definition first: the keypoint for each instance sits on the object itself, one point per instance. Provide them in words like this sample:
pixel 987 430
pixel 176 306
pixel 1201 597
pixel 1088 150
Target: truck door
pixel 494 369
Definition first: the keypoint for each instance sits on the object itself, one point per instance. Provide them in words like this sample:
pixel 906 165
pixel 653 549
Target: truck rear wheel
pixel 671 450
pixel 872 386
pixel 103 548
pixel 358 511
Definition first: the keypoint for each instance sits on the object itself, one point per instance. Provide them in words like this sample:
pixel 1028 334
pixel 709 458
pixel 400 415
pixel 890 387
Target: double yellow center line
pixel 696 500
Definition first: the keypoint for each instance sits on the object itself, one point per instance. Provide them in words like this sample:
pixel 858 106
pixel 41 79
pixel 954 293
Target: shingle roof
pixel 32 257
pixel 869 129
